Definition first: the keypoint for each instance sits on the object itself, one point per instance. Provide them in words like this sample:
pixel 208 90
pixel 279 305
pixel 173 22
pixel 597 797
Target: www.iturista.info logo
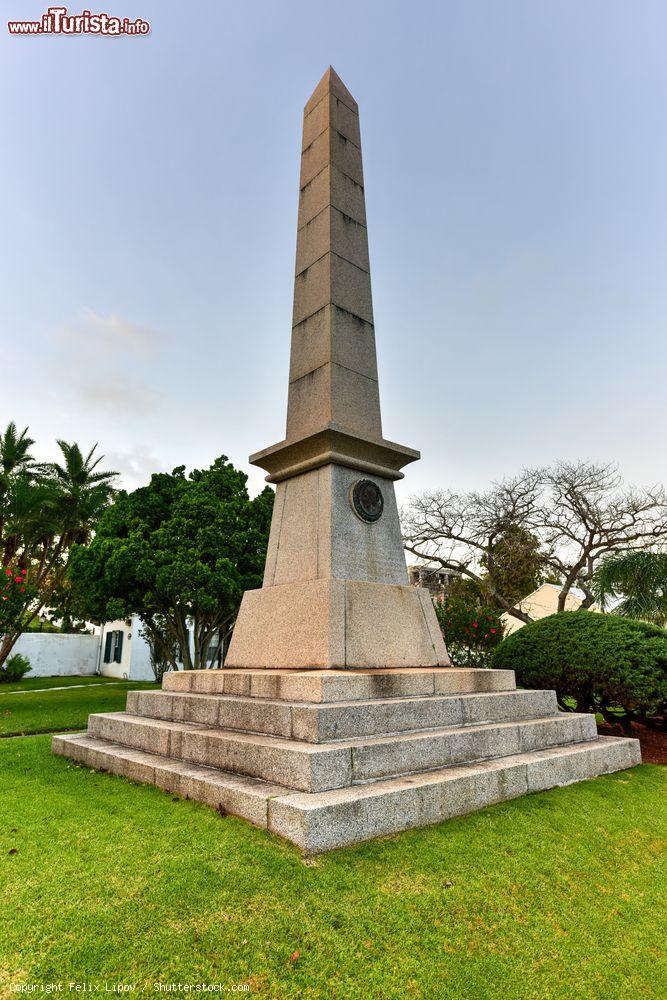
pixel 56 21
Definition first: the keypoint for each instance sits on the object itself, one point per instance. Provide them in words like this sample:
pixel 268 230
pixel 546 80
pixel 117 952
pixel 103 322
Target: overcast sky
pixel 515 157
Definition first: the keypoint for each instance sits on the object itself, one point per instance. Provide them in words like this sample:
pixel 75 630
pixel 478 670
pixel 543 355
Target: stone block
pixel 254 716
pixel 332 187
pixel 470 681
pixel 424 751
pixel 296 555
pixel 555 731
pixel 330 147
pixel 324 722
pixel 333 336
pixel 370 554
pixel 565 765
pixel 228 793
pixel 333 393
pixel 142 734
pixel 331 112
pixel 334 819
pixel 179 680
pixel 154 704
pixel 292 625
pixel 332 231
pixel 497 706
pixel 303 625
pixel 332 279
pixel 396 614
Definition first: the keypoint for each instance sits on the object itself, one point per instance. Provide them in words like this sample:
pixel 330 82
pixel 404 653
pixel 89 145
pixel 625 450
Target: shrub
pixel 595 662
pixel 470 631
pixel 14 669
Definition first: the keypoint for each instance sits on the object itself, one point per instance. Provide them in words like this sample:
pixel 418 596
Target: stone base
pixel 329 758
pixel 336 624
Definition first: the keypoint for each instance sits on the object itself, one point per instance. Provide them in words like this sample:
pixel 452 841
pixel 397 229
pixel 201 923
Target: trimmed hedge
pixel 595 662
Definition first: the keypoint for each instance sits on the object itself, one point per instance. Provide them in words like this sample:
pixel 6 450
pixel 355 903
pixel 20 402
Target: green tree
pixel 515 564
pixel 44 509
pixel 637 581
pixel 181 550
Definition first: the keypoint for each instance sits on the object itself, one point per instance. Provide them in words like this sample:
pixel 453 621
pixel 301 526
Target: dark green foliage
pixel 471 631
pixel 595 662
pixel 14 669
pixel 182 549
pixel 515 564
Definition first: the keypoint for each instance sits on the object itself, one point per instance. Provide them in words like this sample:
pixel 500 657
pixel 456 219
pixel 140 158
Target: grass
pixel 558 895
pixel 69 680
pixel 56 711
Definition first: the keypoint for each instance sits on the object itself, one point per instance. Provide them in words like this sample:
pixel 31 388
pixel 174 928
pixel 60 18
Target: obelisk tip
pixel 331 83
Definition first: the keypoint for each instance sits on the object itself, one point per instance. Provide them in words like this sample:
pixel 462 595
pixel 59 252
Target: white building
pixel 123 652
pixel 542 603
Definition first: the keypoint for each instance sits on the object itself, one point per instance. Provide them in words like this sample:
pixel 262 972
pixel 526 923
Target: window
pixel 108 645
pixel 113 646
pixel 118 646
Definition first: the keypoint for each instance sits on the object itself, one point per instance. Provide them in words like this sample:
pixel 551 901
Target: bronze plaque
pixel 367 500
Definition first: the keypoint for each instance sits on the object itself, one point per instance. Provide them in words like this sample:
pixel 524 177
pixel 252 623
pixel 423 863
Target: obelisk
pixel 335 591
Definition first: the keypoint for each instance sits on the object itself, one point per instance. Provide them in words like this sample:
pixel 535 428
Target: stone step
pixel 322 821
pixel 316 767
pixel 339 685
pixel 233 793
pixel 333 819
pixel 323 722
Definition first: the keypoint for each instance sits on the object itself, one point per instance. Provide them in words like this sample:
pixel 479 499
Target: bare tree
pixel 459 531
pixel 579 511
pixel 586 512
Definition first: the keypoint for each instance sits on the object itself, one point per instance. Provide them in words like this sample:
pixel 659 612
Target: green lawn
pixel 30 683
pixel 55 711
pixel 557 895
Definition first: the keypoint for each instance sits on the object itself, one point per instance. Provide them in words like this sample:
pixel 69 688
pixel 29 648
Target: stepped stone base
pixel 332 757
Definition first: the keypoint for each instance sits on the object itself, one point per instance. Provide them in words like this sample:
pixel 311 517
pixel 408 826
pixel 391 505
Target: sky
pixel 515 160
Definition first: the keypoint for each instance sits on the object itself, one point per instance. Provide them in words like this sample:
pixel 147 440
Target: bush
pixel 596 663
pixel 14 669
pixel 470 631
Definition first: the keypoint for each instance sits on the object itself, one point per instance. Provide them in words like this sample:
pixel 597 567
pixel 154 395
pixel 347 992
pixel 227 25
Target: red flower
pixel 22 590
pixel 18 579
pixel 474 624
pixel 493 631
pixel 8 572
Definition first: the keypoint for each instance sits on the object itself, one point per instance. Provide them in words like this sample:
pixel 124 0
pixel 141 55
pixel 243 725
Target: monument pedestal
pixel 337 624
pixel 328 757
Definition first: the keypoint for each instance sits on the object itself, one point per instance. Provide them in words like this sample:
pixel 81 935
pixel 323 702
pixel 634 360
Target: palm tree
pixel 44 510
pixel 15 450
pixel 83 492
pixel 638 580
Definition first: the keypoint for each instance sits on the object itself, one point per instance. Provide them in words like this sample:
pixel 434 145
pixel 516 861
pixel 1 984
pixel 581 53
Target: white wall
pixel 56 655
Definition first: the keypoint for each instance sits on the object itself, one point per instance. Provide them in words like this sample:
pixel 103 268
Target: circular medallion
pixel 367 500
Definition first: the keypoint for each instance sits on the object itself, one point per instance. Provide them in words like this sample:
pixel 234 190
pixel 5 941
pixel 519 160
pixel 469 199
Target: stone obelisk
pixel 335 591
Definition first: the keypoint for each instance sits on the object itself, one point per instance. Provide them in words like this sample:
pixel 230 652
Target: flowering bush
pixel 15 592
pixel 470 631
